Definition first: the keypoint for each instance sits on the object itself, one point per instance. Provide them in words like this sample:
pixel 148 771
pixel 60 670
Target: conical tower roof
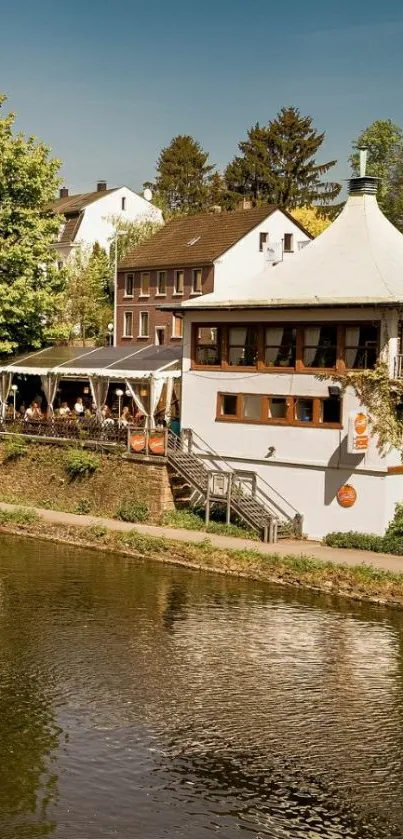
pixel 357 260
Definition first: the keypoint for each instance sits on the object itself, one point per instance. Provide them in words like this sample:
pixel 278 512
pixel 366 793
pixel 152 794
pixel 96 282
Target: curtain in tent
pixel 311 341
pixel 134 388
pixel 274 337
pixel 49 387
pixel 5 387
pixel 99 391
pixel 168 399
pixel 352 341
pixel 156 386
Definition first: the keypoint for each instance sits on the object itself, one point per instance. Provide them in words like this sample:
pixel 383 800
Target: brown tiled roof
pixel 197 239
pixel 75 203
pixel 70 229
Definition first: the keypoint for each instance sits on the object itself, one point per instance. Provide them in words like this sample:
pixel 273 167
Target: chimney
pixel 63 192
pixel 101 186
pixel 365 184
pixel 245 204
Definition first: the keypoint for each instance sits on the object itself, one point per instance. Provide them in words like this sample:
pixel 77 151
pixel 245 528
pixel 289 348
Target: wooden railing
pixel 58 428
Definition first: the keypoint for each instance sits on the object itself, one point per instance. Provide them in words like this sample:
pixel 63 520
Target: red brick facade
pixel 142 328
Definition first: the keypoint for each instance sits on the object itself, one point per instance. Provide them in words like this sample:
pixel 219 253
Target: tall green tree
pixel 87 309
pixel 29 280
pixel 383 140
pixel 183 176
pixel 278 164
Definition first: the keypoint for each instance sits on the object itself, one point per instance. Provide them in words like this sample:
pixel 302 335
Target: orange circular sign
pixel 346 495
pixel 361 423
pixel 156 444
pixel 138 442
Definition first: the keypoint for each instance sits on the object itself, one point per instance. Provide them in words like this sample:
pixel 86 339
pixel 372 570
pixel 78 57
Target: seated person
pixel 126 417
pixel 64 410
pixel 79 406
pixel 33 412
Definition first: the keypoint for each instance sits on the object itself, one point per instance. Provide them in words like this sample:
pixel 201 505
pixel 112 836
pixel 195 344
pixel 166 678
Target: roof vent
pixel 101 186
pixel 194 240
pixel 63 192
pixel 365 184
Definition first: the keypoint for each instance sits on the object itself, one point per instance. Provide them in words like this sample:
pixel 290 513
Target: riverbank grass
pixel 362 582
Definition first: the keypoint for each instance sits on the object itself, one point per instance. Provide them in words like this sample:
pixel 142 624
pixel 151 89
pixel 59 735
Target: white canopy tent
pixel 141 368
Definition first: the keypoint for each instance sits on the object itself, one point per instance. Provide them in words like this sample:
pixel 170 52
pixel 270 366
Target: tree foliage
pixel 312 219
pixel 86 309
pixel 29 281
pixel 277 164
pixel 383 140
pixel 183 176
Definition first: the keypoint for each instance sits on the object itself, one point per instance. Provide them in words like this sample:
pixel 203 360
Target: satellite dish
pixel 147 194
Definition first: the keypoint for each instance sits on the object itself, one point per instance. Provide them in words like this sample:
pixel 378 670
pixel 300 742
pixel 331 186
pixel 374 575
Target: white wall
pixel 308 465
pixel 245 260
pixel 95 226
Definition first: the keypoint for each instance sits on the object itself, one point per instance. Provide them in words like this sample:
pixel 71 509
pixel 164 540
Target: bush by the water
pixel 80 464
pixel 132 511
pixel 390 543
pixel 20 516
pixel 14 448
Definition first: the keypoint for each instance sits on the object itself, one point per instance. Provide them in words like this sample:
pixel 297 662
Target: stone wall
pixel 39 478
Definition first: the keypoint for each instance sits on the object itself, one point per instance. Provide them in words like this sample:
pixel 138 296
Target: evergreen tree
pixel 29 280
pixel 183 176
pixel 277 165
pixel 383 140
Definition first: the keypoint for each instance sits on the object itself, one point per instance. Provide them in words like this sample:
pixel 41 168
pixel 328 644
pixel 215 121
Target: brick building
pixel 188 257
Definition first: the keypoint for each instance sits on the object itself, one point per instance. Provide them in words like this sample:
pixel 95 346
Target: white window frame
pixel 125 334
pixel 176 272
pixel 144 274
pixel 141 334
pixel 159 293
pixel 291 249
pixel 174 319
pixel 133 280
pixel 195 293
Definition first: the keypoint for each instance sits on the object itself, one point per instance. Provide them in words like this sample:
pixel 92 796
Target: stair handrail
pixel 191 435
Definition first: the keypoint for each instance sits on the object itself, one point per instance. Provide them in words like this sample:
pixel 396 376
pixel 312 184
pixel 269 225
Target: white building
pixel 253 354
pixel 88 217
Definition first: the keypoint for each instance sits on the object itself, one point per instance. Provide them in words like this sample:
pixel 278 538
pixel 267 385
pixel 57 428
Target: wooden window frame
pixel 125 335
pixel 174 319
pixel 159 293
pixel 195 292
pixel 144 274
pixel 126 295
pixel 288 420
pixel 176 272
pixel 260 365
pixel 141 334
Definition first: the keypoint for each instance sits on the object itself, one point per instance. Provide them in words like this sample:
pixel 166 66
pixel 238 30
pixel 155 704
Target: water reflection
pixel 191 704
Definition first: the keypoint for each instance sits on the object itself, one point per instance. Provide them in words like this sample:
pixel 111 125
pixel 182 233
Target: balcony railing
pixel 58 428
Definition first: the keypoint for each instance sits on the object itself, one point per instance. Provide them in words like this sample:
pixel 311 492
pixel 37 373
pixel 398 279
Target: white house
pixel 256 352
pixel 194 255
pixel 86 218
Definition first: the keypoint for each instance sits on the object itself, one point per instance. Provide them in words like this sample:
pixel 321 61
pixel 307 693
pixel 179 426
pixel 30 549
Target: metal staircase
pixel 245 494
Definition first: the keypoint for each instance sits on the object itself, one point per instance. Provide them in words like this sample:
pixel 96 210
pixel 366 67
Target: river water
pixel 144 701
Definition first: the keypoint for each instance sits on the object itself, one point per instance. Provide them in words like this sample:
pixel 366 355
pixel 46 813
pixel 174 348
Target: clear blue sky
pixel 107 84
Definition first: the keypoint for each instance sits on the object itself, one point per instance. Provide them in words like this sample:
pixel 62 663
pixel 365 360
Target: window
pixel 228 405
pixel 208 346
pixel 143 324
pixel 60 264
pixel 179 282
pixel 279 410
pixel 288 242
pixel 145 284
pixel 161 283
pixel 361 346
pixel 263 237
pixel 123 205
pixel 197 281
pixel 160 336
pixel 280 346
pixel 129 285
pixel 320 346
pixel 128 325
pixel 177 327
pixel 242 351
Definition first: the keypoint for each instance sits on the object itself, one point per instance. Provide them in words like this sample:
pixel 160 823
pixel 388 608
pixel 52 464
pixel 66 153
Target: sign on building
pixel 358 432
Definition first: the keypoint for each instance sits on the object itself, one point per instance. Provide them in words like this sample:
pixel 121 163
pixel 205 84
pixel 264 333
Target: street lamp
pixel 119 394
pixel 115 287
pixel 14 388
pixel 110 334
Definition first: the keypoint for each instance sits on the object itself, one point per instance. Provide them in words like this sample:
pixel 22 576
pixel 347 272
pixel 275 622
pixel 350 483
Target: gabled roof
pixel 358 260
pixel 197 239
pixel 75 203
pixel 70 229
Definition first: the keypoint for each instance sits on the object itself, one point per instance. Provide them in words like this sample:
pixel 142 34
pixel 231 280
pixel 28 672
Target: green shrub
pixel 80 463
pixel 14 448
pixel 131 510
pixel 357 541
pixel 194 520
pixel 96 531
pixel 19 516
pixel 83 506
